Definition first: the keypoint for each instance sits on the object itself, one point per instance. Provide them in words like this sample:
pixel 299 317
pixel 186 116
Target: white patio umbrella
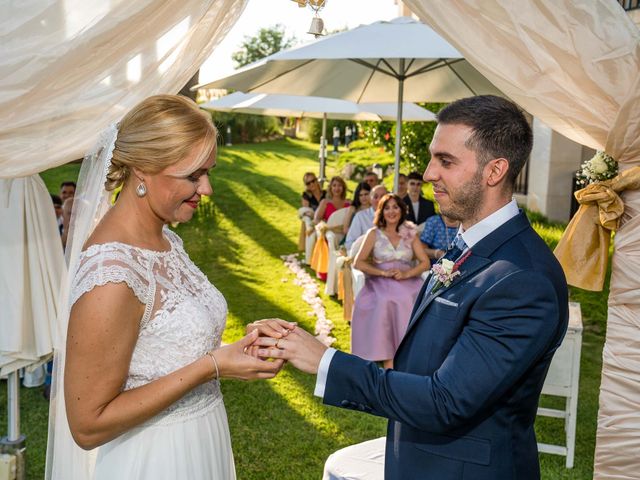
pixel 315 107
pixel 396 61
pixel 33 267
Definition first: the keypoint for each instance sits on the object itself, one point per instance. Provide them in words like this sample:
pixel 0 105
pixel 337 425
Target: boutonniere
pixel 446 271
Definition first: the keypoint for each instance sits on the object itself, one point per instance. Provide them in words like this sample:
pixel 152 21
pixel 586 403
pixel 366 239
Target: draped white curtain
pixel 31 257
pixel 69 68
pixel 574 64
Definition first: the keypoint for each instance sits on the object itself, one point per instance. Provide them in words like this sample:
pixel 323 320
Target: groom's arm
pixel 512 326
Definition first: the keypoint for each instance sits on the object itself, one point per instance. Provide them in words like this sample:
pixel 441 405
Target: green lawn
pixel 279 429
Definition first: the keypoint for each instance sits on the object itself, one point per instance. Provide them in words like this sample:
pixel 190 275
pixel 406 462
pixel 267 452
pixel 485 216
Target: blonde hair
pixel 341 181
pixel 157 133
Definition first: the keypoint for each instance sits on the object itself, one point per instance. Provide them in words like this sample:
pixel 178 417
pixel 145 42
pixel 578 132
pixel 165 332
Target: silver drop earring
pixel 141 190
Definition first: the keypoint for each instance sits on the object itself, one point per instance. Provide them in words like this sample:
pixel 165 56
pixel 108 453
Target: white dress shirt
pixel 472 236
pixel 362 221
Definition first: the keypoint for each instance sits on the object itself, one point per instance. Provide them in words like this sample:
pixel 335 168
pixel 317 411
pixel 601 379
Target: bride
pixel 143 355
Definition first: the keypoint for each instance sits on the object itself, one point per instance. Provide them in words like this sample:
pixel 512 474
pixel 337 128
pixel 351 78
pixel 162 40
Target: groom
pixel 462 398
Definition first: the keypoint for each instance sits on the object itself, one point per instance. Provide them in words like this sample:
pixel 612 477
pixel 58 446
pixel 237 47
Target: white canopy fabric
pixel 361 64
pixel 576 66
pixel 396 61
pixel 315 107
pixel 32 260
pixel 70 68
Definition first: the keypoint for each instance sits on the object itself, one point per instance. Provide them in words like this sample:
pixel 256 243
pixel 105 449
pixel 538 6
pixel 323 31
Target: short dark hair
pixel 415 176
pixel 378 219
pixel 57 201
pixel 402 175
pixel 68 183
pixel 500 130
pixel 356 195
pixel 371 172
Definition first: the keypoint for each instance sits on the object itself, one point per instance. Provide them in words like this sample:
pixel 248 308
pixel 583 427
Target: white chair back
pixel 333 240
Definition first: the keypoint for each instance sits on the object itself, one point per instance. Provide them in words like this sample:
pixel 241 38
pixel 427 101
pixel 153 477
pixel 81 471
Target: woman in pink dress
pixel 334 201
pixel 387 257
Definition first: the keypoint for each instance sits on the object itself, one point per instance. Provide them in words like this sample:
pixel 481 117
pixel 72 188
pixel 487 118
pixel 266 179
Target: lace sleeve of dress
pixel 173 237
pixel 111 263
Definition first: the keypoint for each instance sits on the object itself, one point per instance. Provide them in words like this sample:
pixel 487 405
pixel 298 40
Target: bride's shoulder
pixel 172 236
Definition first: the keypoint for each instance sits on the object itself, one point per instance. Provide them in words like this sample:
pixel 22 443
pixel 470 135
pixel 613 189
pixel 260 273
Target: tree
pixel 416 137
pixel 267 42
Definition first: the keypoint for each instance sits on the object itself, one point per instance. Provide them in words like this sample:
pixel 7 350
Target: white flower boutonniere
pixel 446 271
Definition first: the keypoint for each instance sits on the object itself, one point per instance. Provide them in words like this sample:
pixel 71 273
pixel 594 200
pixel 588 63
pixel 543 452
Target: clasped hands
pixel 282 341
pixel 268 345
pixel 394 273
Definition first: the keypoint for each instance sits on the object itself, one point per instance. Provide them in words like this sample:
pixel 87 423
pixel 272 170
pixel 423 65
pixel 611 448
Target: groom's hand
pixel 299 347
pixel 268 327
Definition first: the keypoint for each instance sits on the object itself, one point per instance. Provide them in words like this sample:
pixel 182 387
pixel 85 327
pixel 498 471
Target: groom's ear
pixel 496 171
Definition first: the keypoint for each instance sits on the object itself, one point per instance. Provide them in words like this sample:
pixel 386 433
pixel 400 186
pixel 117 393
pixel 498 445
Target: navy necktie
pixel 456 249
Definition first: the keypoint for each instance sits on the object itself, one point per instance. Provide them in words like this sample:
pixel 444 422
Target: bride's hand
pixel 234 362
pixel 272 327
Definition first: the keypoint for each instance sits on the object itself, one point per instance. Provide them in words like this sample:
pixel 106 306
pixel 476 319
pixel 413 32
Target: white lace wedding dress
pixel 183 319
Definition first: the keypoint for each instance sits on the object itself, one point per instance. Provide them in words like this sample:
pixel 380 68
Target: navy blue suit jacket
pixel 462 398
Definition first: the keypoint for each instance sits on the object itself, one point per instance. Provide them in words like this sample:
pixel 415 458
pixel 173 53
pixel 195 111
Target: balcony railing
pixel 629 4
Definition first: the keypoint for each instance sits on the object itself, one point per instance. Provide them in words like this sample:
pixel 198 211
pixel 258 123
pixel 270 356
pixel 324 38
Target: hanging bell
pixel 317 27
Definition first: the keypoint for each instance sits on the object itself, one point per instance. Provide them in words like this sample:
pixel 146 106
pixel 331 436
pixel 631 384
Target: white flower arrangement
pixel 600 167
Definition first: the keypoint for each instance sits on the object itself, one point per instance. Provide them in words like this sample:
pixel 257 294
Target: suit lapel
pixel 479 258
pixel 467 269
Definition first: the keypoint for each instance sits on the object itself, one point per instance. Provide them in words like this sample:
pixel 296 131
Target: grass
pixel 278 428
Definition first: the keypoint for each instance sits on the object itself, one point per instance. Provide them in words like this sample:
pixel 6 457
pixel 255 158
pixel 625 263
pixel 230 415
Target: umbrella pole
pixel 14 443
pixel 396 167
pixel 323 148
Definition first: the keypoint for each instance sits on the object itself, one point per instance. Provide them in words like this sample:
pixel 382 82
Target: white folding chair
pixel 562 380
pixel 357 276
pixel 333 239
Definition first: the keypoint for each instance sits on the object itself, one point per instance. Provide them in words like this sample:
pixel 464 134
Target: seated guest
pixel 371 178
pixel 382 308
pixel 335 200
pixel 313 194
pixel 438 234
pixel 363 220
pixel 402 185
pixel 419 207
pixel 67 190
pixel 361 201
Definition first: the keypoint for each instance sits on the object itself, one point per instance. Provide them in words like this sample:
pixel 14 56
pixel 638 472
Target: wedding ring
pixel 278 346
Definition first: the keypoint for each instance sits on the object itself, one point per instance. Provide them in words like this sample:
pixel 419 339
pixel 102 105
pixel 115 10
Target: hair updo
pixel 157 133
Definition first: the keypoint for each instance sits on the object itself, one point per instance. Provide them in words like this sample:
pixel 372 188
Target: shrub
pixel 246 128
pixel 416 137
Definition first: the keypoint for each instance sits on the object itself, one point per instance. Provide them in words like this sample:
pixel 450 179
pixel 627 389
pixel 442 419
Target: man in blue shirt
pixel 438 234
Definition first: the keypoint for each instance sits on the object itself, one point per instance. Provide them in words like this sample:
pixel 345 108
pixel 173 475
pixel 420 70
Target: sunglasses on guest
pixel 310 182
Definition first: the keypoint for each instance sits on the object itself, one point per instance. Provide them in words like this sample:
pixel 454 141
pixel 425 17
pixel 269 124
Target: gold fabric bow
pixel 583 250
pixel 345 286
